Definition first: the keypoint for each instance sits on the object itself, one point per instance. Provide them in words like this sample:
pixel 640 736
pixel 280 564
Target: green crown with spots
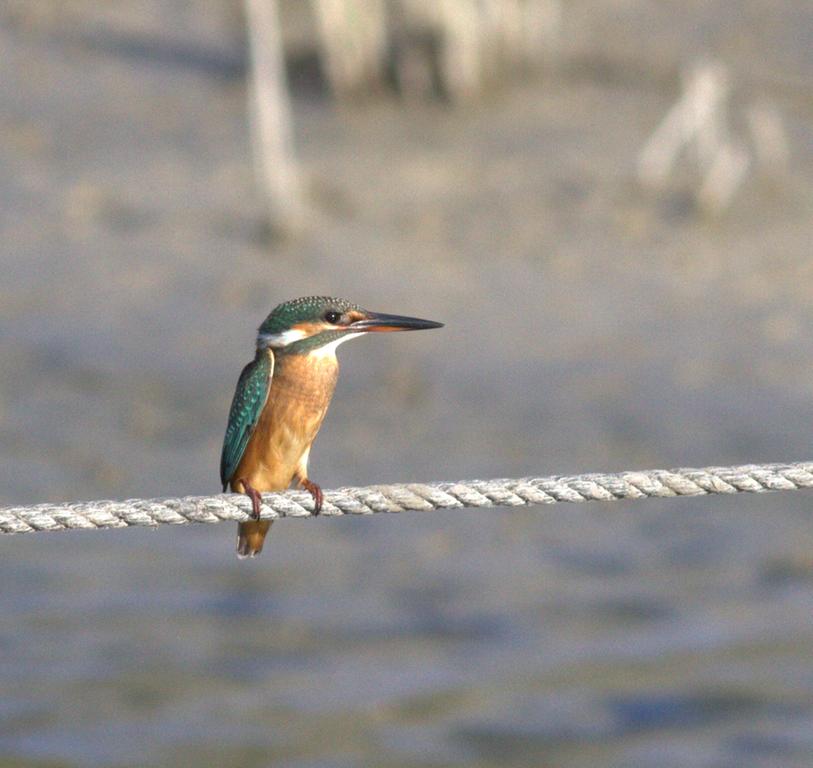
pixel 304 310
pixel 277 331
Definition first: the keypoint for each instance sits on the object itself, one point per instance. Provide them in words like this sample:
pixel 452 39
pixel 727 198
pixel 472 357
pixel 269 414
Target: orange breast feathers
pixel 301 388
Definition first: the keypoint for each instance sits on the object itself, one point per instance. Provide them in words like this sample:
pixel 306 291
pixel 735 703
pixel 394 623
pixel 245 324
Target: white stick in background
pixel 461 64
pixel 353 38
pixel 698 116
pixel 271 123
pixel 724 177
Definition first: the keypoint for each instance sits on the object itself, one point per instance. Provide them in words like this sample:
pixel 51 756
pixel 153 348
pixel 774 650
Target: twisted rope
pixel 423 497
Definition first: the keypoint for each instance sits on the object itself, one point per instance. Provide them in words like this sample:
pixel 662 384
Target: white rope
pixel 658 483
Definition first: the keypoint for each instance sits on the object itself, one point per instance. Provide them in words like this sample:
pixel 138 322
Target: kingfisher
pixel 282 397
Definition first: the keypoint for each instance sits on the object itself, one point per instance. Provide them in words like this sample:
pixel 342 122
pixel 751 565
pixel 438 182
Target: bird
pixel 282 397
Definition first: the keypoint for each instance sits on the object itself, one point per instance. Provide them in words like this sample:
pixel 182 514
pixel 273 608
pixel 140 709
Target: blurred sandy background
pixel 590 326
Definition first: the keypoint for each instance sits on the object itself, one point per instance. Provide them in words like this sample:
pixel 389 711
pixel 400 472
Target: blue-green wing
pixel 246 407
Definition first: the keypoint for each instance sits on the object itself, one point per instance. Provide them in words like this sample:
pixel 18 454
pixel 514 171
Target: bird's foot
pixel 255 497
pixel 315 491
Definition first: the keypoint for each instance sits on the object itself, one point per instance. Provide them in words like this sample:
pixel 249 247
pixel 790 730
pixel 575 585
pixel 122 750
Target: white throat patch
pixel 280 340
pixel 329 349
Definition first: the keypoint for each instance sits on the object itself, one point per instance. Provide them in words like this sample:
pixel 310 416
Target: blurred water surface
pixel 588 328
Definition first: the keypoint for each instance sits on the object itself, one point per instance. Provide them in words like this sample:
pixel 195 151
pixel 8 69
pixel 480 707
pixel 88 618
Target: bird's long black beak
pixel 378 322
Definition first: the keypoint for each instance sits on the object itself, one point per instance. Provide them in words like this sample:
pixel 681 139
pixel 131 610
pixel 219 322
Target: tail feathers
pixel 250 537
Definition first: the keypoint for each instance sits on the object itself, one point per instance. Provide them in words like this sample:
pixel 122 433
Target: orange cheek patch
pixel 309 329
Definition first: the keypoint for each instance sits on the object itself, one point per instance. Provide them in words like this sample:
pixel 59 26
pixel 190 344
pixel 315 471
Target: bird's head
pixel 321 323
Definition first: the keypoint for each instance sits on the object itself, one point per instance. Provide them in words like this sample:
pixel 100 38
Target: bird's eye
pixel 333 317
